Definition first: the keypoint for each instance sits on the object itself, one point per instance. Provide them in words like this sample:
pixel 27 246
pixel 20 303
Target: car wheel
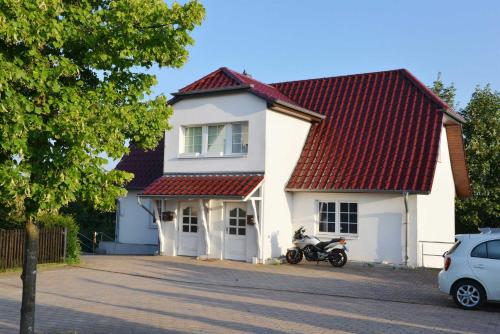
pixel 468 294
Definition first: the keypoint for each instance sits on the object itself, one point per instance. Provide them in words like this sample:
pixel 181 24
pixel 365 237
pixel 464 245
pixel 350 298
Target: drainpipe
pixel 205 226
pixel 407 229
pixel 156 219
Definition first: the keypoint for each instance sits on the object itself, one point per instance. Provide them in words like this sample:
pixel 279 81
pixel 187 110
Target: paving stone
pixel 120 294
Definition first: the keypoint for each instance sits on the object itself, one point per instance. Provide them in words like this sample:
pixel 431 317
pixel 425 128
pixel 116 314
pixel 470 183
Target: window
pixel 480 251
pixel 192 139
pixel 239 138
pixel 189 220
pixel 338 217
pixel 327 217
pixel 216 139
pixel 237 221
pixel 349 218
pixel 487 250
pixel 494 249
pixel 453 248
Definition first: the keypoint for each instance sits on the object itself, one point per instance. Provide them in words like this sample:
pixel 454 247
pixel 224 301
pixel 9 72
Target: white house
pixel 376 158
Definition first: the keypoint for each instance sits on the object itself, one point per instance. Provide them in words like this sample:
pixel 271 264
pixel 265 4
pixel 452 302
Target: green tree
pixel 72 90
pixel 482 147
pixel 446 93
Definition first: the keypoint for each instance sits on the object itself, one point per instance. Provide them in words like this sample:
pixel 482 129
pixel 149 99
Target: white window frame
pixel 337 218
pixel 228 144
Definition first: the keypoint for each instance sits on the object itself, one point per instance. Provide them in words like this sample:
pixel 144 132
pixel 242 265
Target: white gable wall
pixel 436 212
pixel 286 136
pixel 228 108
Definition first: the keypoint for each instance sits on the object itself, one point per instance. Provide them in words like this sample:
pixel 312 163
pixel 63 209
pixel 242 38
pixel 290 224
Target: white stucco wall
pixel 135 224
pixel 216 225
pixel 436 212
pixel 228 108
pixel 285 137
pixel 380 223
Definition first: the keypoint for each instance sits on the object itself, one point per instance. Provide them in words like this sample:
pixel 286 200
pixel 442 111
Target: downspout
pixel 156 218
pixel 407 222
pixel 205 227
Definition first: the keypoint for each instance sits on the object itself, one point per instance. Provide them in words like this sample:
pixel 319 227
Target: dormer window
pixel 193 139
pixel 214 140
pixel 240 138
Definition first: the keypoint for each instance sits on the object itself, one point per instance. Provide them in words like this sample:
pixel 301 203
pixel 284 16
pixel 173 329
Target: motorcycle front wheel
pixel 294 256
pixel 337 258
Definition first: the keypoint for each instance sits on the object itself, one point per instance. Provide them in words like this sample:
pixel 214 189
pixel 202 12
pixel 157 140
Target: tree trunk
pixel 28 276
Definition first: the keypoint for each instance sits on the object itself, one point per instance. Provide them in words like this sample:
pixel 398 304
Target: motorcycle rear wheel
pixel 337 258
pixel 294 256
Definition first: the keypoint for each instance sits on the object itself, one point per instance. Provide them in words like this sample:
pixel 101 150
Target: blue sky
pixel 291 40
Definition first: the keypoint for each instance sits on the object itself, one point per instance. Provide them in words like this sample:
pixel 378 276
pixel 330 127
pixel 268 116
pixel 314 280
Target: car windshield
pixel 454 247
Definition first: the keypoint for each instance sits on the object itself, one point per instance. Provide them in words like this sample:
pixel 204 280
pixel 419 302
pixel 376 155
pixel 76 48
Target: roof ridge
pixel 337 76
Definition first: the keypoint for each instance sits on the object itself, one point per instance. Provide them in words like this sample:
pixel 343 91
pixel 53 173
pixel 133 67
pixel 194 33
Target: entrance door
pixel 236 232
pixel 189 235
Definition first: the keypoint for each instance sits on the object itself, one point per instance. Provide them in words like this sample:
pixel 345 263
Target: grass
pixel 40 267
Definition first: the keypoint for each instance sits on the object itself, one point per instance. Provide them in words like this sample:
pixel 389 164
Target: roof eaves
pixel 207 92
pixel 375 191
pixel 293 110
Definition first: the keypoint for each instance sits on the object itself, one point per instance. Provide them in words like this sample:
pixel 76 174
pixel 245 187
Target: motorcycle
pixel 313 249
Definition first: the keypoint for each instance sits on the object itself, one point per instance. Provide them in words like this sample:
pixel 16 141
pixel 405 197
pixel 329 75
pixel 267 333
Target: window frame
pixel 190 217
pixel 337 218
pixel 227 132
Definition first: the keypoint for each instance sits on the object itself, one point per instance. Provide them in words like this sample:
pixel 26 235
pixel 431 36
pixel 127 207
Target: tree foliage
pixel 73 89
pixel 446 93
pixel 482 147
pixel 482 150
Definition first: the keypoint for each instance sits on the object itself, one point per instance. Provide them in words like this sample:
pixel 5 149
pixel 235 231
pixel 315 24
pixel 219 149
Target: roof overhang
pixel 295 111
pixel 373 191
pixel 204 186
pixel 273 104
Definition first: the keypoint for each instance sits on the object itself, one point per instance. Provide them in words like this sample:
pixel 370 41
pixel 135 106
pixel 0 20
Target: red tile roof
pixel 381 130
pixel 381 133
pixel 146 166
pixel 207 185
pixel 226 78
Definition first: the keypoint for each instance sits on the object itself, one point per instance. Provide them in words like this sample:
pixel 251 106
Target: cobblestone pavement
pixel 119 294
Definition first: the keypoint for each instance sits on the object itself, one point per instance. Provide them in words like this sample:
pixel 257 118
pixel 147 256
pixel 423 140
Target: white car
pixel 471 272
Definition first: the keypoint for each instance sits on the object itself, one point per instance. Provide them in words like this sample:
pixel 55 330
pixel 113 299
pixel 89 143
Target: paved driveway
pixel 111 294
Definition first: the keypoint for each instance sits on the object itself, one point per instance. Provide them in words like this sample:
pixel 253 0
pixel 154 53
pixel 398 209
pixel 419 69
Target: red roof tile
pixel 182 185
pixel 381 133
pixel 146 166
pixel 226 78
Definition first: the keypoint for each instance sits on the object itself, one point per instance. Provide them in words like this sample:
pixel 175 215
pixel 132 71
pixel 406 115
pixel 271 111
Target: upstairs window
pixel 215 140
pixel 240 138
pixel 193 139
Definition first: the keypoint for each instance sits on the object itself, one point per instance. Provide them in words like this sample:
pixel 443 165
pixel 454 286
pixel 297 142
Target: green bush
pixel 72 243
